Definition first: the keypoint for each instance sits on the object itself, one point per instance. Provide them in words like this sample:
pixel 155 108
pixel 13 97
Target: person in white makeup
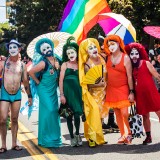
pixel 45 74
pixel 146 94
pixel 13 73
pixel 70 90
pixel 120 91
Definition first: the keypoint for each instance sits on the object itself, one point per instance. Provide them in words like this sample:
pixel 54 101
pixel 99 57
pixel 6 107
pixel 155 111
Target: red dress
pixel 147 96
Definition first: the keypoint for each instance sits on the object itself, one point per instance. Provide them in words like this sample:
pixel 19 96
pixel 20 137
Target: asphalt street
pixel 27 138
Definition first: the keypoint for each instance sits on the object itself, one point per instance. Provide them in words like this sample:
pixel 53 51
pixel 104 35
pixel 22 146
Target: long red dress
pixel 147 96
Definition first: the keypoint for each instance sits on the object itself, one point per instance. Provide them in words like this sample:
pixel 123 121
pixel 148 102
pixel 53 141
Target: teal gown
pixel 73 91
pixel 49 133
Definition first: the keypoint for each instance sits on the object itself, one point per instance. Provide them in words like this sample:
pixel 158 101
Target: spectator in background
pixel 25 60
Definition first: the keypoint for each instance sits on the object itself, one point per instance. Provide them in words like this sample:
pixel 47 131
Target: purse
pixel 65 111
pixel 135 122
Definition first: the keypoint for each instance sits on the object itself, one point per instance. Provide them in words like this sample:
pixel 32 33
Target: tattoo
pixel 26 88
pixel 8 65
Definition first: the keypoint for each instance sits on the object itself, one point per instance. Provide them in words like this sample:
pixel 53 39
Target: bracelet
pixel 29 96
pixel 131 91
pixel 61 94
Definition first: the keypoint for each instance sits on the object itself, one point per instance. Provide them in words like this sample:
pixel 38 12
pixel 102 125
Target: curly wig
pixel 140 48
pixel 70 44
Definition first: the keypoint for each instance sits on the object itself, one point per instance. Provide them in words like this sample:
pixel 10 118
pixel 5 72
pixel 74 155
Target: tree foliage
pixel 35 17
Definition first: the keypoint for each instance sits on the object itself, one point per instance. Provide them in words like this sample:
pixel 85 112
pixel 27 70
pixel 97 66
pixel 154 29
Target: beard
pixel 136 65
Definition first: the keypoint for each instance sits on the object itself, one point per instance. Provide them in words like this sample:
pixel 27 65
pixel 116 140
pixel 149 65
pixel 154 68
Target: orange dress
pixel 117 87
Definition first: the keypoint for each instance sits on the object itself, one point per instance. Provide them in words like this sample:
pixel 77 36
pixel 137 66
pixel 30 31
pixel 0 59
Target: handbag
pixel 135 123
pixel 65 111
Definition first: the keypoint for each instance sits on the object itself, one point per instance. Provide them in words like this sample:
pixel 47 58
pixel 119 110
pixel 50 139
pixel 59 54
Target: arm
pixel 128 66
pixel 62 72
pixel 40 66
pixel 153 71
pixel 1 66
pixel 26 84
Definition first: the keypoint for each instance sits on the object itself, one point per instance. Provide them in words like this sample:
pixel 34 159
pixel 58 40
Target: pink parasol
pixel 153 31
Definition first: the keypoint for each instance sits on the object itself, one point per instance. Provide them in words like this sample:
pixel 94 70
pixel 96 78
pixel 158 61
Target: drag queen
pixel 44 73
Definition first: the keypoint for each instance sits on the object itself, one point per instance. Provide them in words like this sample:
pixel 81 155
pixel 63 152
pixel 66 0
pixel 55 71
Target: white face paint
pixel 134 55
pixel 92 50
pixel 46 48
pixel 72 54
pixel 113 46
pixel 13 49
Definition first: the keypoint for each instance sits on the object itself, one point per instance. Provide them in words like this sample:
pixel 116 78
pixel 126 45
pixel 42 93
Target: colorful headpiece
pixel 70 44
pixel 40 42
pixel 115 38
pixel 83 54
pixel 139 47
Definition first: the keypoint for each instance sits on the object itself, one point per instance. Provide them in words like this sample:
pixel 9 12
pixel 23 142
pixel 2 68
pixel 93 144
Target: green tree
pixel 35 17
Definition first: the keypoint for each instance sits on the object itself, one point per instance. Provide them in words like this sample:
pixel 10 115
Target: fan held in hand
pixel 94 75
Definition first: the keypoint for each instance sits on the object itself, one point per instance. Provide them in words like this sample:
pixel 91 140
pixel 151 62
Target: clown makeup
pixel 72 54
pixel 13 49
pixel 134 55
pixel 113 46
pixel 92 50
pixel 46 49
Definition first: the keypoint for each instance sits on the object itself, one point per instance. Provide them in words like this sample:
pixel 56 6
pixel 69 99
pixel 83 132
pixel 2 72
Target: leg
pixel 125 114
pixel 15 106
pixel 120 122
pixel 77 123
pixel 77 126
pixel 146 122
pixel 147 127
pixel 70 126
pixel 4 106
pixel 111 121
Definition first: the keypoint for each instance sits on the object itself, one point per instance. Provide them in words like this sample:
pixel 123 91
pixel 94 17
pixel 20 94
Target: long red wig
pixel 142 52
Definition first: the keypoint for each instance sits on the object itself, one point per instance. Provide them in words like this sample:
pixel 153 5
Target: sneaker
pixel 128 139
pixel 91 143
pixel 121 140
pixel 79 140
pixel 147 140
pixel 73 142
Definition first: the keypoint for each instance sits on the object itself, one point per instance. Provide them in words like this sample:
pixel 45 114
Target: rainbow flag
pixel 80 16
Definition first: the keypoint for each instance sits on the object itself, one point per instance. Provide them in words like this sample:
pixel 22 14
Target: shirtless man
pixel 13 72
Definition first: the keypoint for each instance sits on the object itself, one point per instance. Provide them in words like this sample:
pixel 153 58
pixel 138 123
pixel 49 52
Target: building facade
pixel 5 10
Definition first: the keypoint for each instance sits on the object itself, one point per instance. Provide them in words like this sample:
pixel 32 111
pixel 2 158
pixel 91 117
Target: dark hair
pixel 157 41
pixel 69 44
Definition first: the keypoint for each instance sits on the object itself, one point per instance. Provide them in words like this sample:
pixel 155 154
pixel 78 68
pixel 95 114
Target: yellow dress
pixel 98 93
pixel 92 125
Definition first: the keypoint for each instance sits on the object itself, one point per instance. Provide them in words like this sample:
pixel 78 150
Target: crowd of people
pixel 126 77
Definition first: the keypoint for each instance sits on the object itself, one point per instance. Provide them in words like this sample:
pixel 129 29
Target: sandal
pixel 3 150
pixel 17 148
pixel 121 140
